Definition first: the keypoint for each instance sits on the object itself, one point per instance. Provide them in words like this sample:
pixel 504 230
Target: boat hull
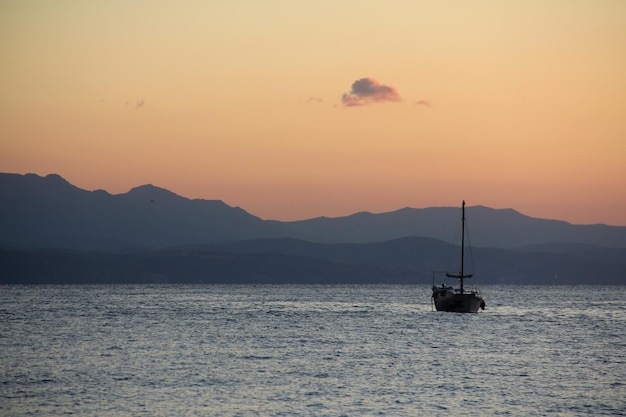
pixel 457 303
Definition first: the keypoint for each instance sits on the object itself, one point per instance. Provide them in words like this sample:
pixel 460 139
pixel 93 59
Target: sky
pixel 298 109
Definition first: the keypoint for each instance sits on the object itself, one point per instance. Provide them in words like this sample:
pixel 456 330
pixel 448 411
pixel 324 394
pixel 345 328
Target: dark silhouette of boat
pixel 448 298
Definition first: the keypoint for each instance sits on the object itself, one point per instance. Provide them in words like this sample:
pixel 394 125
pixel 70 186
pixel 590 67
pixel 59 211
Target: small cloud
pixel 425 103
pixel 314 100
pixel 140 103
pixel 367 91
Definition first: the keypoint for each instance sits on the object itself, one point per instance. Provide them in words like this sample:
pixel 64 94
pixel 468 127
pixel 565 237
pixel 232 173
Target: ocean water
pixel 370 350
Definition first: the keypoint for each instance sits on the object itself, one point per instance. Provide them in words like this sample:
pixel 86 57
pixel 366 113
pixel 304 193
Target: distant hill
pixel 49 212
pixel 54 232
pixel 505 228
pixel 413 259
pixel 288 261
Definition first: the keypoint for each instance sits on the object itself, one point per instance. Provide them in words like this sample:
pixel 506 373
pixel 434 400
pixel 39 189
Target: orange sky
pixel 502 103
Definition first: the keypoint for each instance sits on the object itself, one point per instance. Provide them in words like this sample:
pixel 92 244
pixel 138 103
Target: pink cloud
pixel 366 91
pixel 426 103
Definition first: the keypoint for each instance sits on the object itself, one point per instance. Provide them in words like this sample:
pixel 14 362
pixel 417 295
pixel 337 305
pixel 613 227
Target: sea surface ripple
pixel 360 350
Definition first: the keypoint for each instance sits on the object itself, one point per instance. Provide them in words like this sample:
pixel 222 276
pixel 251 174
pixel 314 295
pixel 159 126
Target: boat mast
pixel 462 243
pixel 462 275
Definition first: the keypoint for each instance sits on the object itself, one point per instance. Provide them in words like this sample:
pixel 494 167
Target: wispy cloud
pixel 314 100
pixel 425 103
pixel 138 104
pixel 367 91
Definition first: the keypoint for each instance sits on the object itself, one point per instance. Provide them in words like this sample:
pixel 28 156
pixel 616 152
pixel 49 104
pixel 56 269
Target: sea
pixel 320 350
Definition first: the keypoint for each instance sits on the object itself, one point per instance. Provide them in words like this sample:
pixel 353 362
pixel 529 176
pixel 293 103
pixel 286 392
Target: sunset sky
pixel 296 109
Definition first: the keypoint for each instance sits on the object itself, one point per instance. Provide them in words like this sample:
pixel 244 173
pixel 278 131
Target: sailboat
pixel 447 298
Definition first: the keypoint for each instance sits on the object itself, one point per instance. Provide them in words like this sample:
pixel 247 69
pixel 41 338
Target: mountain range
pixel 54 232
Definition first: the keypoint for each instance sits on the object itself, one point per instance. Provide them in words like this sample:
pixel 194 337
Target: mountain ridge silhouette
pixel 52 232
pixel 50 212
